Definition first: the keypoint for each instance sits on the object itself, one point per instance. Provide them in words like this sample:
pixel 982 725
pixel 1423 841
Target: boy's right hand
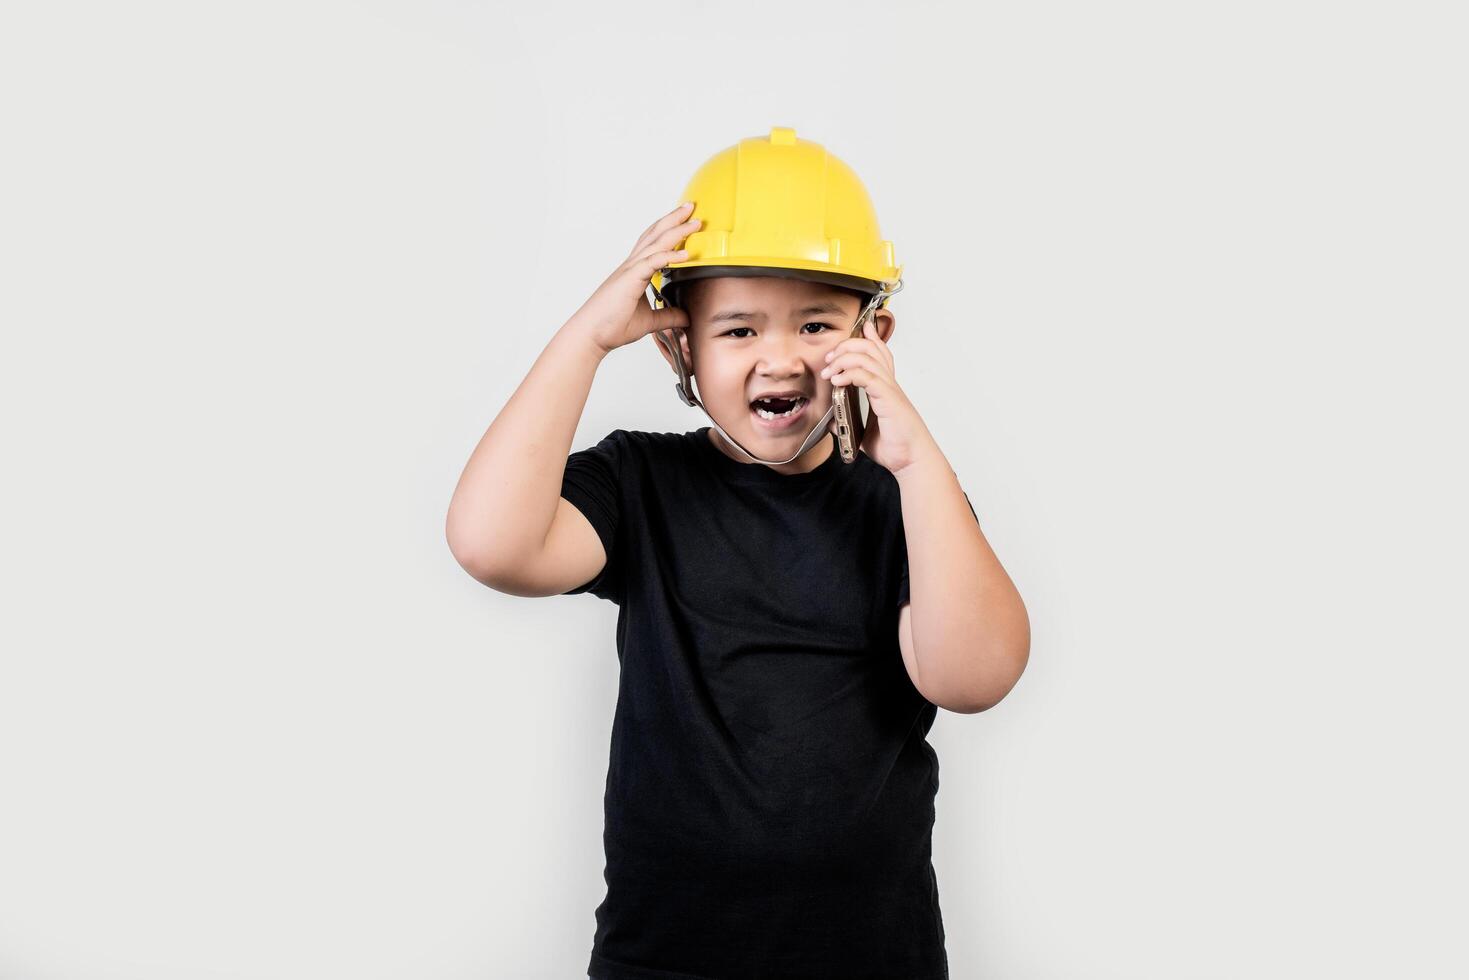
pixel 618 312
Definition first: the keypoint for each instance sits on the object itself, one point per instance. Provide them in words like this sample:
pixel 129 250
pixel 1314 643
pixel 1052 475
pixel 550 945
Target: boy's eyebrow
pixel 815 309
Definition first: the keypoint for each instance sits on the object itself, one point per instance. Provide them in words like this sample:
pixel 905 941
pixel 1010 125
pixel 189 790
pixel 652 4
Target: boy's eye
pixel 814 323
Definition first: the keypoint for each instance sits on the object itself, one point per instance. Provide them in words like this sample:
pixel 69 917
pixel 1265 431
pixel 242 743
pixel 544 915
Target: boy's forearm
pixel 506 498
pixel 971 633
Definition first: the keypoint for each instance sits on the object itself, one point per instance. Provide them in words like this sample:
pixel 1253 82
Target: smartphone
pixel 846 400
pixel 850 422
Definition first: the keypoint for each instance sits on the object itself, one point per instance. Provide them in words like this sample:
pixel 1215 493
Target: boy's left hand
pixel 901 437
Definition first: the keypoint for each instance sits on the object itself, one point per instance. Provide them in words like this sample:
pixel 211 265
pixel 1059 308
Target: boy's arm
pixel 509 495
pixel 965 634
pixel 507 525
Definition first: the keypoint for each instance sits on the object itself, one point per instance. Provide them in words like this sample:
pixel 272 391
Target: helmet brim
pixel 684 274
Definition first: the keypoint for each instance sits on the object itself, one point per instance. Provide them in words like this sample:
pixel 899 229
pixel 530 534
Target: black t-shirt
pixel 770 791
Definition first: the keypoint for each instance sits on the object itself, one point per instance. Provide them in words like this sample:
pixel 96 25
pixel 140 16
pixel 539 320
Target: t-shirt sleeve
pixel 903 597
pixel 592 483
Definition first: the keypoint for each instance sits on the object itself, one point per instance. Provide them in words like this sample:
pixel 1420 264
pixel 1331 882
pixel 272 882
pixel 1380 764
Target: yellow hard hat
pixel 780 205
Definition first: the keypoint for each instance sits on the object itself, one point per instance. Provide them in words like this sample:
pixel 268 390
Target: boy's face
pixel 750 336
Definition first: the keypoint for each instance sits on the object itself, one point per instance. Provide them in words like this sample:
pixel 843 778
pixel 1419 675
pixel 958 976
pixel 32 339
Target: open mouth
pixel 777 413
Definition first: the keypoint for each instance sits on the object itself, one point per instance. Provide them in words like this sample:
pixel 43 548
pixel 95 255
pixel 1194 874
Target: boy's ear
pixel 681 336
pixel 886 323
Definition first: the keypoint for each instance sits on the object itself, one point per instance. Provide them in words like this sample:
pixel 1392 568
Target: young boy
pixel 770 791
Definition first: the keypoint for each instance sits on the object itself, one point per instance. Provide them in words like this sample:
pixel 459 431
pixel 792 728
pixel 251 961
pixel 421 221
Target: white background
pixel 1184 306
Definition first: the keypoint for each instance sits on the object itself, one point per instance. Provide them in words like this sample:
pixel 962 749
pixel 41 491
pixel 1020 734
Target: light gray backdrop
pixel 1184 305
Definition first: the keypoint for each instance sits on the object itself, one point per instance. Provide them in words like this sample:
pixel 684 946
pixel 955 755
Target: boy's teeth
pixel 795 404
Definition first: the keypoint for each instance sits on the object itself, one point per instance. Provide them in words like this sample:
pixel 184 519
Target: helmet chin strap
pixel 684 387
pixel 812 438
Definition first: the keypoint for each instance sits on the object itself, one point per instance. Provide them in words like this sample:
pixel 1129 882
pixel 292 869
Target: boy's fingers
pixel 851 343
pixel 858 361
pixel 884 351
pixel 871 344
pixel 683 229
pixel 653 230
pixel 677 216
pixel 669 237
pixel 643 267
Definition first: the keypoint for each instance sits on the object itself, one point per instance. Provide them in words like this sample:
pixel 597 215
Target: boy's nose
pixel 785 368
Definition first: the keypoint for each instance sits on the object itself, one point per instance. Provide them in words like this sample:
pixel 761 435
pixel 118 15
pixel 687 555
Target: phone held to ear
pixel 849 423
